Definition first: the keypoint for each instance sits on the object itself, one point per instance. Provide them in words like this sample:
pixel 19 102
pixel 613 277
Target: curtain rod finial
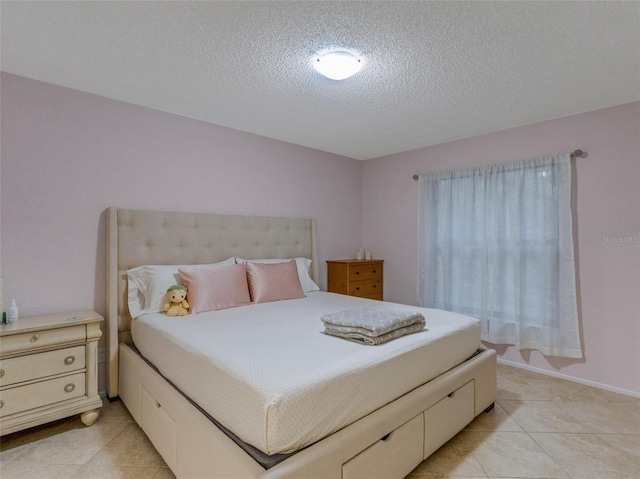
pixel 415 177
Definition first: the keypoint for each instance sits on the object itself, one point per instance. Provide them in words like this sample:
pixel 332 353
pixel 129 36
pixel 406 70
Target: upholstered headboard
pixel 139 237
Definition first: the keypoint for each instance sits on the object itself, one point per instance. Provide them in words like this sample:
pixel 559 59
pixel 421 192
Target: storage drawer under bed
pixel 447 417
pixel 404 448
pixel 401 450
pixel 159 426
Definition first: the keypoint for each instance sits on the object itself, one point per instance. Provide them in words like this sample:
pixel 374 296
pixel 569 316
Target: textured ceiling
pixel 433 71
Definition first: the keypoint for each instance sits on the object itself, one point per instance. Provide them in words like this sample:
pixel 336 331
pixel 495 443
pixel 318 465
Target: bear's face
pixel 177 295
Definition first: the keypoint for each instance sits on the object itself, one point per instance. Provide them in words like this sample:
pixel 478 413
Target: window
pixel 496 243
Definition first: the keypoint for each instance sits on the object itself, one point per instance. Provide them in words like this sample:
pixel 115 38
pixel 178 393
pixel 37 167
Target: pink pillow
pixel 216 288
pixel 274 281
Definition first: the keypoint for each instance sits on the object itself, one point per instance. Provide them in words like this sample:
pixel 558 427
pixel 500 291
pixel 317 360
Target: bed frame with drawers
pixel 387 443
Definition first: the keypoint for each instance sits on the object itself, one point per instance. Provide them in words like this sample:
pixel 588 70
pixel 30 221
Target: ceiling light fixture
pixel 337 65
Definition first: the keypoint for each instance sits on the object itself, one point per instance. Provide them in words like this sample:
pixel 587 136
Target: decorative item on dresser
pixel 356 277
pixel 49 370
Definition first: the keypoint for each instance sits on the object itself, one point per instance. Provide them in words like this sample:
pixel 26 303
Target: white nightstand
pixel 49 369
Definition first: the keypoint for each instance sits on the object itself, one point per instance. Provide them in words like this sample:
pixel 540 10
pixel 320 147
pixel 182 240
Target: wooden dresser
pixel 49 369
pixel 356 277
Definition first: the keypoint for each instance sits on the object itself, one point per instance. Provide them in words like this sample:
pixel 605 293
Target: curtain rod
pixel 575 154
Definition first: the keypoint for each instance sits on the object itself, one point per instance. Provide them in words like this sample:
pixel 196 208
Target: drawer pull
pixel 69 387
pixel 1 373
pixel 69 360
pixel 1 403
pixel 385 437
pixel 34 338
pixel 374 285
pixel 374 271
pixel 357 272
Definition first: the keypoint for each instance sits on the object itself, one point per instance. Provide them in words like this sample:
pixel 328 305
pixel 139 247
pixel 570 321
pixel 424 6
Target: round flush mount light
pixel 337 65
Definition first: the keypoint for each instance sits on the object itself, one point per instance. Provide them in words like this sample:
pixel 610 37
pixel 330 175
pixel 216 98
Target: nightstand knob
pixel 357 272
pixel 69 387
pixel 1 373
pixel 69 360
pixel 34 338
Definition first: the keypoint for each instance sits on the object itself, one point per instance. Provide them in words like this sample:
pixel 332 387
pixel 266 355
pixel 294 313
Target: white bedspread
pixel 267 373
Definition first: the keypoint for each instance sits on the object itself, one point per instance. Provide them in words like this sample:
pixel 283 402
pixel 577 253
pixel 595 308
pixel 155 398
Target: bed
pixel 413 397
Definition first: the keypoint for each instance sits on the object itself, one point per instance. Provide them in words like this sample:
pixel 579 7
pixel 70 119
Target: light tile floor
pixel 541 427
pixel 544 427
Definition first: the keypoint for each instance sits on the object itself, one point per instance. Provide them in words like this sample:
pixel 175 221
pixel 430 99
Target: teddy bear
pixel 177 305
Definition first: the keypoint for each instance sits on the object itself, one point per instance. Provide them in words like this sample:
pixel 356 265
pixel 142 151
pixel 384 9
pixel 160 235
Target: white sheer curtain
pixel 496 243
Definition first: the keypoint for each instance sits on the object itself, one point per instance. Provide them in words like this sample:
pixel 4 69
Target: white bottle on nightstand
pixel 13 311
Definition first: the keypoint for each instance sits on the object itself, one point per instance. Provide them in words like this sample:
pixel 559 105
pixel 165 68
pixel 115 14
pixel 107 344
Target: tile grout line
pixel 549 455
pixel 538 444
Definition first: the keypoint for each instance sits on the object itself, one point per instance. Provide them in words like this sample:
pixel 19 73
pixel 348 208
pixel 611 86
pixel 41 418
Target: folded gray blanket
pixel 372 326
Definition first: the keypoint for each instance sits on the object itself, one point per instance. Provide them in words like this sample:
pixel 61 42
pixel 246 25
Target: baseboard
pixel 554 374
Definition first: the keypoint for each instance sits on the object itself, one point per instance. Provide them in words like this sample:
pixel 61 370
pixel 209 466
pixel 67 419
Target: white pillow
pixel 147 285
pixel 303 265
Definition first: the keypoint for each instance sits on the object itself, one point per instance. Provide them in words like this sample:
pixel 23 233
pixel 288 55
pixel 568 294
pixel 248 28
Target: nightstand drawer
pixel 365 288
pixel 41 339
pixel 23 398
pixel 359 272
pixel 41 365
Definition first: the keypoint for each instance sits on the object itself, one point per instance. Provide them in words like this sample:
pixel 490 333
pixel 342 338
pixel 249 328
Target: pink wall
pixel 608 205
pixel 67 156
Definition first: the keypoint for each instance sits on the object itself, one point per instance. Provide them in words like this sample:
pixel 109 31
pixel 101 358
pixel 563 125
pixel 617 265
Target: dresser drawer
pixel 358 272
pixel 363 278
pixel 41 365
pixel 365 288
pixel 23 398
pixel 41 339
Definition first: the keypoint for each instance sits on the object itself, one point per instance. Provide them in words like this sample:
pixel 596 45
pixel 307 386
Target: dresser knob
pixel 69 387
pixel 357 272
pixel 69 360
pixel 374 271
pixel 34 338
pixel 1 373
pixel 374 285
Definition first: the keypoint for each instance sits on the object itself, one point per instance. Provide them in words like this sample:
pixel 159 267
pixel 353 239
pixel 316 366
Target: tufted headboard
pixel 139 237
